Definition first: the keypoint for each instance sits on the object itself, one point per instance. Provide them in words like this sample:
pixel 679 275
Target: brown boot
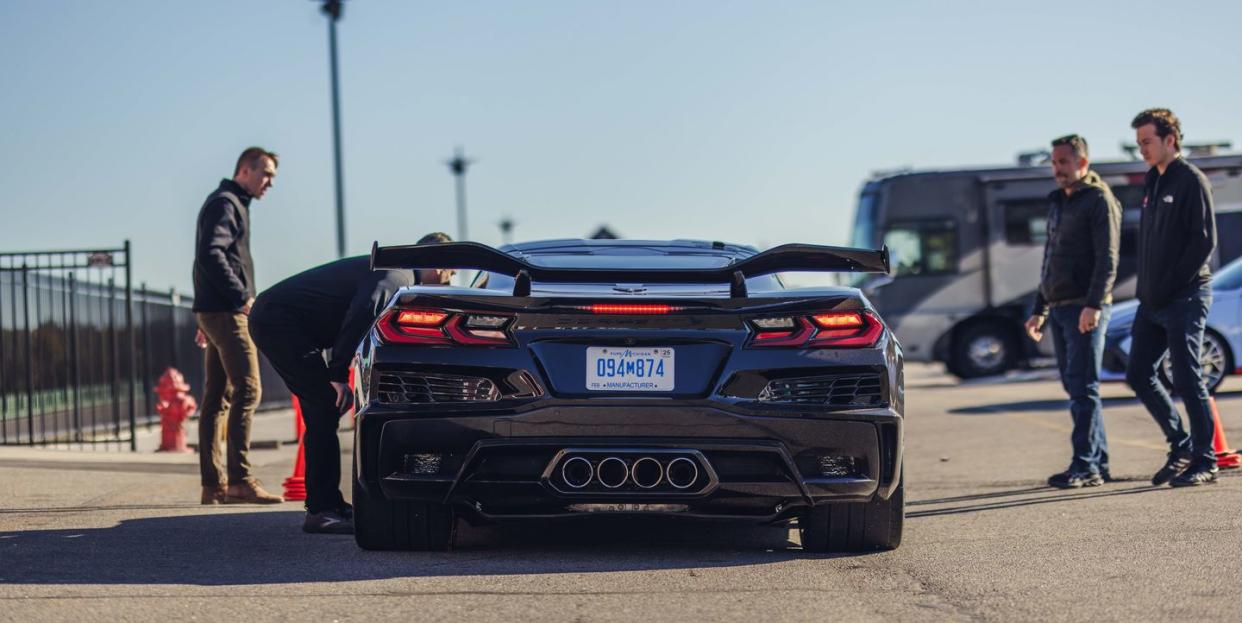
pixel 214 495
pixel 249 491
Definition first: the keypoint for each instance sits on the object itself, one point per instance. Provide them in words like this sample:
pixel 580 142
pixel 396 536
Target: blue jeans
pixel 1176 328
pixel 1078 357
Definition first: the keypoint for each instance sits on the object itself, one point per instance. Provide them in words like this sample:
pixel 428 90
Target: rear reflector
pixel 425 464
pixel 836 466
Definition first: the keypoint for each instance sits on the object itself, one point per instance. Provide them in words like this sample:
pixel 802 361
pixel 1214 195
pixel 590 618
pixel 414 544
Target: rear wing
pixel 785 258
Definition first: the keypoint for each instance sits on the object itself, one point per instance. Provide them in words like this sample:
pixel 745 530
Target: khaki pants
pixel 231 394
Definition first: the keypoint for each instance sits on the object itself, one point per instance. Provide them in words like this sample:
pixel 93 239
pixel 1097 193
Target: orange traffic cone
pixel 295 485
pixel 1226 458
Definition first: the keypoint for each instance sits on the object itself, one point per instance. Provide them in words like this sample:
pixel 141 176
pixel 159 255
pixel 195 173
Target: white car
pixel 1222 339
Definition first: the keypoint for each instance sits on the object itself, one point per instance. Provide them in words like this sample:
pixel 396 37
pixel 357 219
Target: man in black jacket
pixel 1177 234
pixel 223 293
pixel 293 322
pixel 1075 296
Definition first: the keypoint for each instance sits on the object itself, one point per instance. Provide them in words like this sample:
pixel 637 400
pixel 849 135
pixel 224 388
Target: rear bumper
pixel 505 465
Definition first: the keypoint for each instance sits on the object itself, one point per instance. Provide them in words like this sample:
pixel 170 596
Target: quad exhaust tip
pixel 612 472
pixel 682 473
pixel 577 472
pixel 646 473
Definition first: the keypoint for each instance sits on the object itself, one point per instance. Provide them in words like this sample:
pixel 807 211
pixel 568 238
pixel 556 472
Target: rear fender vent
pixel 415 386
pixel 424 388
pixel 855 390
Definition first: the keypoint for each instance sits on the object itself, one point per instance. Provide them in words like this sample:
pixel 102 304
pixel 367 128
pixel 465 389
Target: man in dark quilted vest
pixel 1075 298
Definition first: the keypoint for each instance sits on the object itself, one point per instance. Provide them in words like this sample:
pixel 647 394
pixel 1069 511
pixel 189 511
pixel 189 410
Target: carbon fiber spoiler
pixel 785 258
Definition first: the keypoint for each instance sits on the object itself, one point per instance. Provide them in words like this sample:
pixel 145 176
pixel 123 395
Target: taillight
pixel 436 326
pixel 823 330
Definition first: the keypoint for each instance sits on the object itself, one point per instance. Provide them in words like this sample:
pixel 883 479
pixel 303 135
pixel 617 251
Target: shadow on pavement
pixel 268 547
pixel 95 509
pixel 1062 404
pixel 1033 405
pixel 979 496
pixel 1030 496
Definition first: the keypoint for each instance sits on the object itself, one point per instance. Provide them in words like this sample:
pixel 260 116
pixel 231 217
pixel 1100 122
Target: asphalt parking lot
pixel 119 536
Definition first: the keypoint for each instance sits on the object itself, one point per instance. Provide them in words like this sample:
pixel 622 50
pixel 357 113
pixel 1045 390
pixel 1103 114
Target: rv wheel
pixel 983 349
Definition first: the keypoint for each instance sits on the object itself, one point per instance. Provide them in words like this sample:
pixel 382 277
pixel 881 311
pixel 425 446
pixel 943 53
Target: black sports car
pixel 593 377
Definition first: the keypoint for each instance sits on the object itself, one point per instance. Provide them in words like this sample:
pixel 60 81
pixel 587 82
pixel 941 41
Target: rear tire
pixel 385 525
pixel 855 526
pixel 983 349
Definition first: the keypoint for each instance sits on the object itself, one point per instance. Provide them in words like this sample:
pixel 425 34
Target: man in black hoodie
pixel 223 293
pixel 1177 234
pixel 1075 295
pixel 294 322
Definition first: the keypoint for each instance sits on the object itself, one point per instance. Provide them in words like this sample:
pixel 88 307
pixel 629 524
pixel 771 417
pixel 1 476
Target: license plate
pixel 621 369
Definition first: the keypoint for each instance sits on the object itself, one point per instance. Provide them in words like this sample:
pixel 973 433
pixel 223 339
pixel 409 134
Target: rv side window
pixel 1026 222
pixel 922 248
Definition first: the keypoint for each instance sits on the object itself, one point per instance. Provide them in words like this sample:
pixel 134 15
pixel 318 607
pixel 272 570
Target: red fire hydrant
pixel 174 406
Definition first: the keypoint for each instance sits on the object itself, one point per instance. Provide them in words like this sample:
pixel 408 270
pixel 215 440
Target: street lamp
pixel 458 166
pixel 332 8
pixel 506 229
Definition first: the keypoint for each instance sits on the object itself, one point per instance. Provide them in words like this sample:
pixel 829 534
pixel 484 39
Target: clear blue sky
pixel 753 122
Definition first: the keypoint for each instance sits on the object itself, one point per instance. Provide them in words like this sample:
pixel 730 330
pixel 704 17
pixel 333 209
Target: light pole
pixel 332 8
pixel 458 166
pixel 506 230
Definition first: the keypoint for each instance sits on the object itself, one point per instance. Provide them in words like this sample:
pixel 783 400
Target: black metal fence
pixel 81 349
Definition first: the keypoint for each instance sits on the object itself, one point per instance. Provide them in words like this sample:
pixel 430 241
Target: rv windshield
pixel 864 222
pixel 864 230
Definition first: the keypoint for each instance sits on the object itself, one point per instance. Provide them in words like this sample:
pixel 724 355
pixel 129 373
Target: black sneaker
pixel 1074 480
pixel 1176 464
pixel 1196 476
pixel 328 522
pixel 1106 475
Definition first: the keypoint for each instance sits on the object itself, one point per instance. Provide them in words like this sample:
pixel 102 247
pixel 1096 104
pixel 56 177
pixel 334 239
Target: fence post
pixel 145 321
pixel 114 359
pixel 65 333
pixel 29 350
pixel 36 358
pixel 74 354
pixel 4 377
pixel 175 342
pixel 132 368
